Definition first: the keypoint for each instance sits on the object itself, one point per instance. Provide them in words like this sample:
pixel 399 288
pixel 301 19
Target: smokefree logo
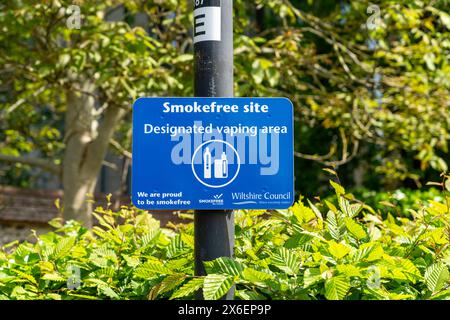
pixel 217 201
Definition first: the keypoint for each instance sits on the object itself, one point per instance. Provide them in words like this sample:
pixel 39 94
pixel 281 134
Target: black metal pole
pixel 213 59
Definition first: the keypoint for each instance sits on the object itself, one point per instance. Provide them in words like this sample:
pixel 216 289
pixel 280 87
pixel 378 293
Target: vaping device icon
pixel 220 165
pixel 207 164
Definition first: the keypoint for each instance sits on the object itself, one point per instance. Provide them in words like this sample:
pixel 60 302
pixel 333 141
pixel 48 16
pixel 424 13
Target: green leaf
pixel 349 270
pixel 188 288
pixel 447 184
pixel 216 286
pixel 54 296
pixel 331 206
pixel 255 276
pixel 224 265
pixel 64 245
pixel 331 171
pixel 376 293
pixel 436 276
pixel 20 293
pixel 400 296
pixel 337 187
pixel 298 240
pixel 187 239
pixel 429 60
pixel 409 269
pixel 108 291
pixel 53 277
pixel 103 287
pixel 444 295
pixel 286 260
pixel 151 268
pixel 257 72
pixel 178 264
pixel 83 296
pixel 350 210
pixel 265 63
pixel 336 288
pixel 176 247
pixel 26 276
pixel 183 58
pixel 355 228
pixel 302 213
pixel 338 250
pixel 315 210
pixel 170 282
pixel 335 225
pixel 131 261
pixel 64 59
pixel 273 75
pixel 311 276
pixel 150 238
pixel 249 295
pixel 368 252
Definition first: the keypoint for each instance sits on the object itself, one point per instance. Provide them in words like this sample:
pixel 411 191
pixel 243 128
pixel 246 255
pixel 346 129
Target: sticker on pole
pixel 212 153
pixel 207 20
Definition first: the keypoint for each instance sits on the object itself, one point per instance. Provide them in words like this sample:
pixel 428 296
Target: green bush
pixel 311 251
pixel 399 202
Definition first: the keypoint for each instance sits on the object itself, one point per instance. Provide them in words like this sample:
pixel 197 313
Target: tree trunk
pixel 86 147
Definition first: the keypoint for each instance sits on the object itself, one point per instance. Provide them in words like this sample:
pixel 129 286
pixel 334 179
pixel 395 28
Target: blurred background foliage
pixel 369 80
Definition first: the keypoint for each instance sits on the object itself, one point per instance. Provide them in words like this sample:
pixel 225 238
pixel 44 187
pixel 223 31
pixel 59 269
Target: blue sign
pixel 212 153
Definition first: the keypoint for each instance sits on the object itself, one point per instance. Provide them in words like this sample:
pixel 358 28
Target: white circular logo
pixel 220 165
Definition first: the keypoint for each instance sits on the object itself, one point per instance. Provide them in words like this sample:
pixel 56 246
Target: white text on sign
pixel 213 107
